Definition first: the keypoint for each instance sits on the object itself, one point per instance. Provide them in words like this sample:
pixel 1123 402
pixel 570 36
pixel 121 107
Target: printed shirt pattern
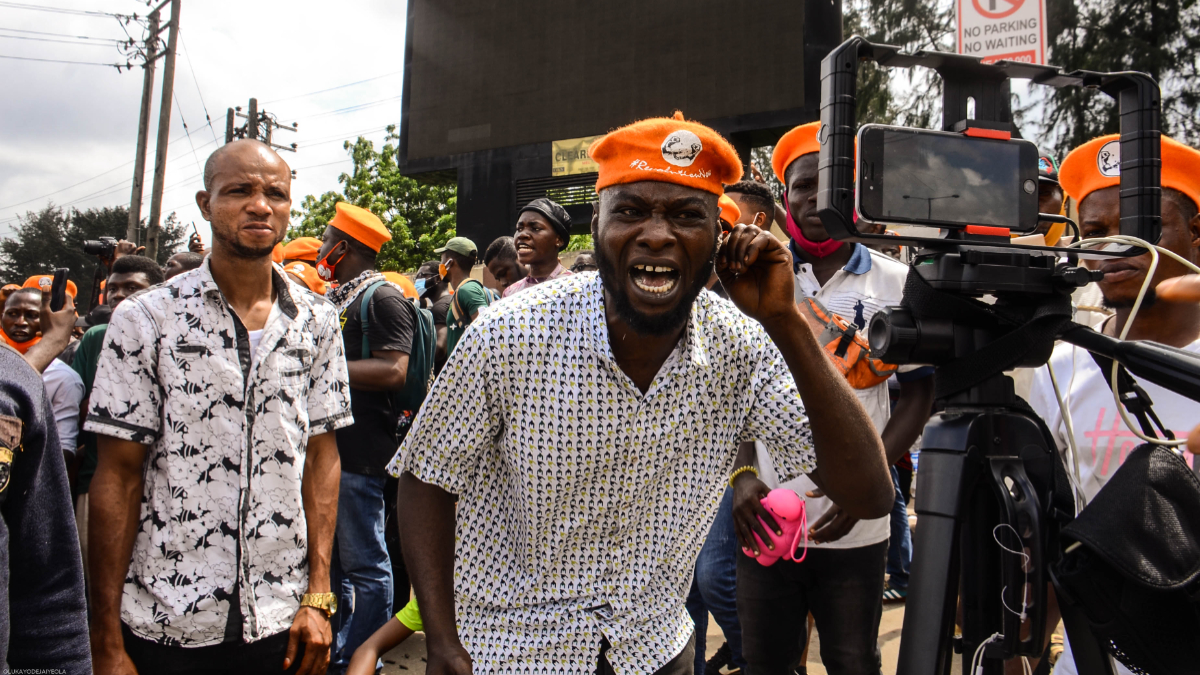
pixel 583 502
pixel 222 516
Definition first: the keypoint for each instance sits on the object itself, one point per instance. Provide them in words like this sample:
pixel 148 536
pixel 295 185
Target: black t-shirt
pixel 370 443
pixel 440 309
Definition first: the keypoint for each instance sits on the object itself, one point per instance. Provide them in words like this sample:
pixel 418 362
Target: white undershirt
pixel 256 335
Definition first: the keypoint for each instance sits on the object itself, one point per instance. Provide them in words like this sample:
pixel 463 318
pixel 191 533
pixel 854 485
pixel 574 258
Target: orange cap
pixel 794 144
pixel 729 209
pixel 405 284
pixel 308 273
pixel 44 282
pixel 303 248
pixel 277 254
pixel 667 150
pixel 1097 164
pixel 362 225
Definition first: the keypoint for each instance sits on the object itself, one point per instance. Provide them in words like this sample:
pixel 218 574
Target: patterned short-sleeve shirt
pixel 582 501
pixel 222 517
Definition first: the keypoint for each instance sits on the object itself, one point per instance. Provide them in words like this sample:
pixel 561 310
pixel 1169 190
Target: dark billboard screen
pixel 491 74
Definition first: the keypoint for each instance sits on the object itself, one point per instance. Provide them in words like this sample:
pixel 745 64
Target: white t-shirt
pixel 64 389
pixel 256 335
pixel 869 282
pixel 1101 436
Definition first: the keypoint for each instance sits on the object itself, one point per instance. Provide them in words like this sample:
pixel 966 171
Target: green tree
pixel 1158 37
pixel 53 238
pixel 420 215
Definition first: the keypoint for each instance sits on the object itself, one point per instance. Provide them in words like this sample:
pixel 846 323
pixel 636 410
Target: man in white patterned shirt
pixel 215 401
pixel 596 422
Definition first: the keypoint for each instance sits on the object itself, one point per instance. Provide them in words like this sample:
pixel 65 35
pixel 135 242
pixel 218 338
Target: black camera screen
pixel 950 178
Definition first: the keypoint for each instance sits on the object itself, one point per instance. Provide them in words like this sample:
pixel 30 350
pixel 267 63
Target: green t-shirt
pixel 410 616
pixel 87 355
pixel 469 298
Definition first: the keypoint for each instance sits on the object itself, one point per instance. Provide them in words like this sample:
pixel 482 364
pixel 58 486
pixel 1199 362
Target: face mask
pixel 420 285
pixel 819 249
pixel 325 267
pixel 443 271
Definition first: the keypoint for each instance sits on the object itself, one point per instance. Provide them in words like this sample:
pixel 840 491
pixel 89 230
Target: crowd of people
pixel 250 455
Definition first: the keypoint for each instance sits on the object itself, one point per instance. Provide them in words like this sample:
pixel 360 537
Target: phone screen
pixel 936 177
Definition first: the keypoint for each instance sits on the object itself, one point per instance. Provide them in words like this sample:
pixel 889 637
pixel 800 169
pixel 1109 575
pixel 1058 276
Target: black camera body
pixel 104 247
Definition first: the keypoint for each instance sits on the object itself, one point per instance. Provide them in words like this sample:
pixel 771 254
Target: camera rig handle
pixel 965 78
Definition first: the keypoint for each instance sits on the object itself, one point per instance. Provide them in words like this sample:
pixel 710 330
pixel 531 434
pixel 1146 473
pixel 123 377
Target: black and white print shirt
pixel 583 502
pixel 222 517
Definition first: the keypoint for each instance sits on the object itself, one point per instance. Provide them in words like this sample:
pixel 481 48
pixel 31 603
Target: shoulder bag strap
pixel 364 317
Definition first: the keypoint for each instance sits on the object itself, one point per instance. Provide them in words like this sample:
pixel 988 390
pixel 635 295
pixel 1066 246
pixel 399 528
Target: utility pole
pixel 164 134
pixel 139 162
pixel 260 126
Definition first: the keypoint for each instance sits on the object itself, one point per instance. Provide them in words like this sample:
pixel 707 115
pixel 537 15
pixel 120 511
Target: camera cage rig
pixel 967 77
pixel 988 461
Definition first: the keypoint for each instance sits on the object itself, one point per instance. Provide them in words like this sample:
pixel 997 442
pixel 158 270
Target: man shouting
pixel 597 418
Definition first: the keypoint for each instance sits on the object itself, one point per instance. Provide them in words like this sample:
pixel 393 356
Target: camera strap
pixel 1133 397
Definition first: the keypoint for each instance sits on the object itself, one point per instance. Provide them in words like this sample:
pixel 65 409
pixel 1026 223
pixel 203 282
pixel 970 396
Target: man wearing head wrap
pixel 1091 176
pixel 543 231
pixel 361 566
pixel 594 426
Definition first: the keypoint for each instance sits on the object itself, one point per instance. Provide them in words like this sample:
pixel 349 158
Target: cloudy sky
pixel 69 130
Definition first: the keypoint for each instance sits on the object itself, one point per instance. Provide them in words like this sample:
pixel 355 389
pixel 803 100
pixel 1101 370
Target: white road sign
pixel 1013 30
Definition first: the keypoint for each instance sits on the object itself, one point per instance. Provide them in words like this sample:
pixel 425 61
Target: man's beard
pixel 642 324
pixel 241 250
pixel 1147 302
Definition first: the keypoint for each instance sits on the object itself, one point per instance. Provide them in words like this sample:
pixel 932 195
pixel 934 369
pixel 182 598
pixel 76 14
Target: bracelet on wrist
pixel 737 472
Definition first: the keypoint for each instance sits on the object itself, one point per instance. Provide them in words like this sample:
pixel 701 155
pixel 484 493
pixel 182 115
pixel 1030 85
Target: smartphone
pixel 58 289
pixel 945 179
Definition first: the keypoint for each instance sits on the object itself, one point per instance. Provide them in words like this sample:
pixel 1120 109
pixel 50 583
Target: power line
pixel 188 55
pixel 188 133
pixel 118 66
pixel 313 166
pixel 62 42
pixel 353 108
pixel 66 35
pixel 340 86
pixel 59 10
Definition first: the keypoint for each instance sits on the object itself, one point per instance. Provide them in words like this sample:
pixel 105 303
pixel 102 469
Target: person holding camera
pixel 841 581
pixel 1091 176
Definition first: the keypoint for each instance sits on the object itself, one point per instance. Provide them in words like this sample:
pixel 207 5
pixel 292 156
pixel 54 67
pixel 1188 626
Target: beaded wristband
pixel 733 476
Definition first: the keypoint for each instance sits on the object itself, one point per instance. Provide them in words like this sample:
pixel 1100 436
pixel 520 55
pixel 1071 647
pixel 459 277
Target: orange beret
pixel 405 284
pixel 362 225
pixel 303 248
pixel 667 150
pixel 308 273
pixel 277 254
pixel 729 209
pixel 794 144
pixel 44 282
pixel 1097 164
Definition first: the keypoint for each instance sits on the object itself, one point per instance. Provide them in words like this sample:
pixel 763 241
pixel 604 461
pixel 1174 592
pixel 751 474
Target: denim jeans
pixel 900 545
pixel 362 571
pixel 841 587
pixel 714 587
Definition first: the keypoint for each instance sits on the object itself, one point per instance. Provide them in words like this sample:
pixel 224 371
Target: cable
pixel 66 35
pixel 977 659
pixel 1154 251
pixel 188 56
pixel 340 86
pixel 313 166
pixel 114 43
pixel 1076 476
pixel 186 132
pixel 60 10
pixel 353 108
pixel 1024 571
pixel 118 66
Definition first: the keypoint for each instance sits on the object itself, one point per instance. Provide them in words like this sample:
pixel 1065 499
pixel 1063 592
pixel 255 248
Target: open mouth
pixel 656 279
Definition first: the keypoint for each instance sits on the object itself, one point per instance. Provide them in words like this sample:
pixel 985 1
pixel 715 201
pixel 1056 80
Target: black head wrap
pixel 555 214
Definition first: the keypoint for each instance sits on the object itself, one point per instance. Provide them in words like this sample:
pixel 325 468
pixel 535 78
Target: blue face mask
pixel 420 284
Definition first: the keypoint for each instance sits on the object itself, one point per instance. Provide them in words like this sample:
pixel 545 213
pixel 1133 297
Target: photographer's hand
pixel 56 333
pixel 196 244
pixel 125 248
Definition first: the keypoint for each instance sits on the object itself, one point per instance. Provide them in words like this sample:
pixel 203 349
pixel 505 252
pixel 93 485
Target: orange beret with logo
pixel 667 150
pixel 362 225
pixel 406 285
pixel 307 274
pixel 1097 164
pixel 791 146
pixel 277 254
pixel 45 282
pixel 303 248
pixel 729 209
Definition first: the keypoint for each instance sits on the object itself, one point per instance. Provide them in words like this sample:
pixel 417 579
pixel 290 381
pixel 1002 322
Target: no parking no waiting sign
pixel 995 30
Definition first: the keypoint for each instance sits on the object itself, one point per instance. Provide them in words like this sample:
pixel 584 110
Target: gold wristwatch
pixel 326 602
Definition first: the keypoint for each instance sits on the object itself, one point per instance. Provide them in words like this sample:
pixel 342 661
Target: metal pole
pixel 229 126
pixel 164 135
pixel 139 162
pixel 252 123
